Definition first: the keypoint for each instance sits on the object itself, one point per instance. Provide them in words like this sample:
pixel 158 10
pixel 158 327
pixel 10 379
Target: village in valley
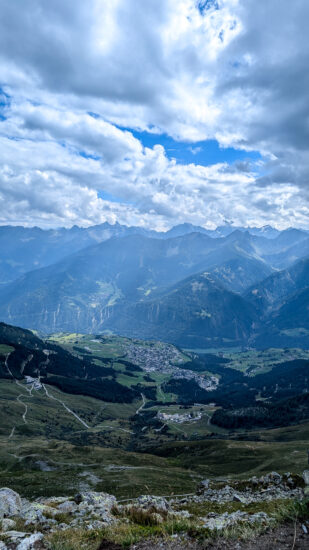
pixel 164 358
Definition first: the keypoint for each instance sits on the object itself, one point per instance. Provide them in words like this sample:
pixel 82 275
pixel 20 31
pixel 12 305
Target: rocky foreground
pixel 93 520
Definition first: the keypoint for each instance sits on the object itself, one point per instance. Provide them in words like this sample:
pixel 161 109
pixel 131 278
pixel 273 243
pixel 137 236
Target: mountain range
pixel 24 249
pixel 189 285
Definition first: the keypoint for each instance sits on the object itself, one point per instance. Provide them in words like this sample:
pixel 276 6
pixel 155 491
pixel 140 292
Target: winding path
pixel 22 396
pixel 29 390
pixel 142 405
pixel 66 407
pixel 12 432
pixel 18 398
pixel 24 404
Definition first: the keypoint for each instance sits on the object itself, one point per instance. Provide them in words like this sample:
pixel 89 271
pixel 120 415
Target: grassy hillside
pixel 55 442
pixel 53 453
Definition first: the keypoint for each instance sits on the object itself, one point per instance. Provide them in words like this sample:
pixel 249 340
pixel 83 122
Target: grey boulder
pixel 29 543
pixel 10 503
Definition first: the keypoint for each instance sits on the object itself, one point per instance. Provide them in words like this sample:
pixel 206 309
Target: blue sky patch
pixel 88 155
pixel 205 5
pixel 4 103
pixel 104 195
pixel 204 153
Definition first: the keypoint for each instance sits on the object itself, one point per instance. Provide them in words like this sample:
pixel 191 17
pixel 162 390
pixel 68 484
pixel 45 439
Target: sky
pixel 154 112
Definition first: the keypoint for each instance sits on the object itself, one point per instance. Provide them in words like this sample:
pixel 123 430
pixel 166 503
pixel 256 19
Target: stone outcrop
pixel 269 487
pixel 91 510
pixel 29 543
pixel 21 541
pixel 152 503
pixel 222 521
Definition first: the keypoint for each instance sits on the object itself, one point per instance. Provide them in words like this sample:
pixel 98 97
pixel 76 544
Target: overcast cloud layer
pixel 76 78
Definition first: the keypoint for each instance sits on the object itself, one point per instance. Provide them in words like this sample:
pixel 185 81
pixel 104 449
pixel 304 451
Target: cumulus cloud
pixel 78 77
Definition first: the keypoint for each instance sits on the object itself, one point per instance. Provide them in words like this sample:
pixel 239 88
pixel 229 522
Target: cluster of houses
pixel 179 418
pixel 164 358
pixel 34 382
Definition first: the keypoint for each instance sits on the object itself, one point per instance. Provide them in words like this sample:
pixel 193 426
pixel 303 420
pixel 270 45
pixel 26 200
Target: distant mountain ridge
pixel 198 311
pixel 280 286
pixel 80 292
pixel 138 283
pixel 282 302
pixel 25 249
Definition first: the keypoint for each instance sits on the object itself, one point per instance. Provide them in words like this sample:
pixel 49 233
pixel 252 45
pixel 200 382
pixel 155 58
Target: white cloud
pixel 237 74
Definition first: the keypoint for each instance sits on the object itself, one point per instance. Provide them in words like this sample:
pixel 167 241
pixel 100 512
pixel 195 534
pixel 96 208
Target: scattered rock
pixel 273 477
pixel 52 501
pixel 269 487
pixel 239 498
pixel 10 503
pixel 218 522
pixel 98 500
pixel 202 486
pixel 91 510
pixel 68 507
pixel 152 503
pixel 254 481
pixel 30 543
pixel 96 524
pixel 96 505
pixel 15 536
pixel 8 524
pixel 35 512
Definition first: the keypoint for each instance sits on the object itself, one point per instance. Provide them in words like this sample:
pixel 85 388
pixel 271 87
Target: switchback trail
pixel 18 398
